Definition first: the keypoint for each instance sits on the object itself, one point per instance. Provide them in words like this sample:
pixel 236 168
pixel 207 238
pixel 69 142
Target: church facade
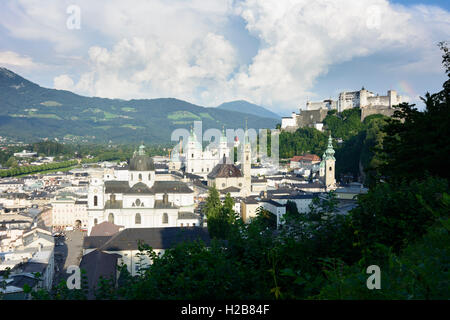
pixel 198 161
pixel 134 198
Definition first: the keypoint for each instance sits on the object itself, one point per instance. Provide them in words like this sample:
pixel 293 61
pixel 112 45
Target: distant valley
pixel 29 113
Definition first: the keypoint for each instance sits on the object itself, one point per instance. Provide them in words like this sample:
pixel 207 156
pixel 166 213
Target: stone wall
pixel 367 111
pixel 310 117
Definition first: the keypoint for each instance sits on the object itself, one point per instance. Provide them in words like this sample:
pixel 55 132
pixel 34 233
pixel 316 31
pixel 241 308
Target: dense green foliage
pixel 355 155
pixel 30 112
pixel 303 140
pixel 68 154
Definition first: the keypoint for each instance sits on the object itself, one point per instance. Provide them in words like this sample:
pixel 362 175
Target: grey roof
pixel 116 204
pixel 309 185
pixel 98 264
pixel 274 203
pixel 171 187
pixel 141 163
pixel 92 242
pixel 141 188
pixel 159 204
pixel 21 280
pixel 31 267
pixel 225 170
pixel 116 186
pixel 249 200
pixel 157 238
pixel 187 215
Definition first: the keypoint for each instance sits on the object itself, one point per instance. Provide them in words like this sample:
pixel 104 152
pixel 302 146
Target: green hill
pixel 30 112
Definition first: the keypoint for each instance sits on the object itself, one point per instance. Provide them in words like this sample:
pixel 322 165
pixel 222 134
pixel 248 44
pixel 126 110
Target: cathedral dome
pixel 141 162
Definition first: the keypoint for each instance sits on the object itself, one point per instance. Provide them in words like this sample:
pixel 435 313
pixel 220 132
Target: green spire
pixel 141 151
pixel 329 153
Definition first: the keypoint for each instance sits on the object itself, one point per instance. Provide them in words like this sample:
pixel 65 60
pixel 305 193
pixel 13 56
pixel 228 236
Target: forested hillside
pixel 356 141
pixel 30 112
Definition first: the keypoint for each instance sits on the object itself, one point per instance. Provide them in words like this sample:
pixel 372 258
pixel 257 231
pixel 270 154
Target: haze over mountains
pixel 250 108
pixel 29 112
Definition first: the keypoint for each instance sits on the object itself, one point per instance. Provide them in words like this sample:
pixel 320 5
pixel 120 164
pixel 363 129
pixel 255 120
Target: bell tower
pixel 247 164
pixel 329 161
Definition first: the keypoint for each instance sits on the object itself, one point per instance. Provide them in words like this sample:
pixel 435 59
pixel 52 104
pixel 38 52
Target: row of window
pixel 140 176
pixel 137 218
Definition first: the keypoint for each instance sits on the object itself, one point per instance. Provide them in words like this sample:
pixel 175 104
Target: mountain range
pixel 29 112
pixel 250 108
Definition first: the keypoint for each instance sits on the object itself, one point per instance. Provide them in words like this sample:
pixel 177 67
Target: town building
pixel 69 212
pixel 138 199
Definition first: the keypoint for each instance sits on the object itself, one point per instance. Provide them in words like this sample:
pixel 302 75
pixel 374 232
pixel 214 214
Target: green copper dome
pixel 329 153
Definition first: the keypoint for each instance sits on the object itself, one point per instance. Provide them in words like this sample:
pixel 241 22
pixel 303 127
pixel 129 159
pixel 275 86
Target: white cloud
pixel 148 49
pixel 10 58
pixel 63 82
pixel 302 39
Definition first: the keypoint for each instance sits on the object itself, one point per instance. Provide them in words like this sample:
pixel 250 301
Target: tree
pixel 417 143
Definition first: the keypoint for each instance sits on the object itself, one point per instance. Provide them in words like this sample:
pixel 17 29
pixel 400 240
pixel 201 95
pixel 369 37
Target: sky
pixel 275 53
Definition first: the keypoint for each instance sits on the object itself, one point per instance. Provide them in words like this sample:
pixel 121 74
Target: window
pixel 131 176
pixel 111 218
pixel 223 184
pixel 192 155
pixel 331 168
pixel 181 224
pixel 138 202
pixel 137 218
pixel 149 177
pixel 95 201
pixel 95 221
pixel 140 177
pixel 165 218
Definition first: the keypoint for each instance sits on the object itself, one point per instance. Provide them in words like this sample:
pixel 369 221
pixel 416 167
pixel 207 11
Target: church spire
pixel 329 152
pixel 141 151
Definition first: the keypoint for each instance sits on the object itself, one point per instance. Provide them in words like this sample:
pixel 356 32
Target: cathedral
pixel 200 162
pixel 134 198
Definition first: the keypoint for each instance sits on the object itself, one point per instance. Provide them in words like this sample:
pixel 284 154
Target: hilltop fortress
pixel 369 103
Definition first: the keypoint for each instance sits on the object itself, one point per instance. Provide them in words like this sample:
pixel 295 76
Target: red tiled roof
pixel 306 157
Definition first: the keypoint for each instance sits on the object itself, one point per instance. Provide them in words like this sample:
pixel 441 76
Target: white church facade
pixel 134 198
pixel 198 161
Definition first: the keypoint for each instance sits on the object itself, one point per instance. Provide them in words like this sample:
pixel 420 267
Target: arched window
pixel 137 218
pixel 331 169
pixel 111 218
pixel 95 201
pixel 165 218
pixel 95 221
pixel 140 177
pixel 138 202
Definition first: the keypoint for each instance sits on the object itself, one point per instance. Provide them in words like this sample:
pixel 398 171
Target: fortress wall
pixel 367 111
